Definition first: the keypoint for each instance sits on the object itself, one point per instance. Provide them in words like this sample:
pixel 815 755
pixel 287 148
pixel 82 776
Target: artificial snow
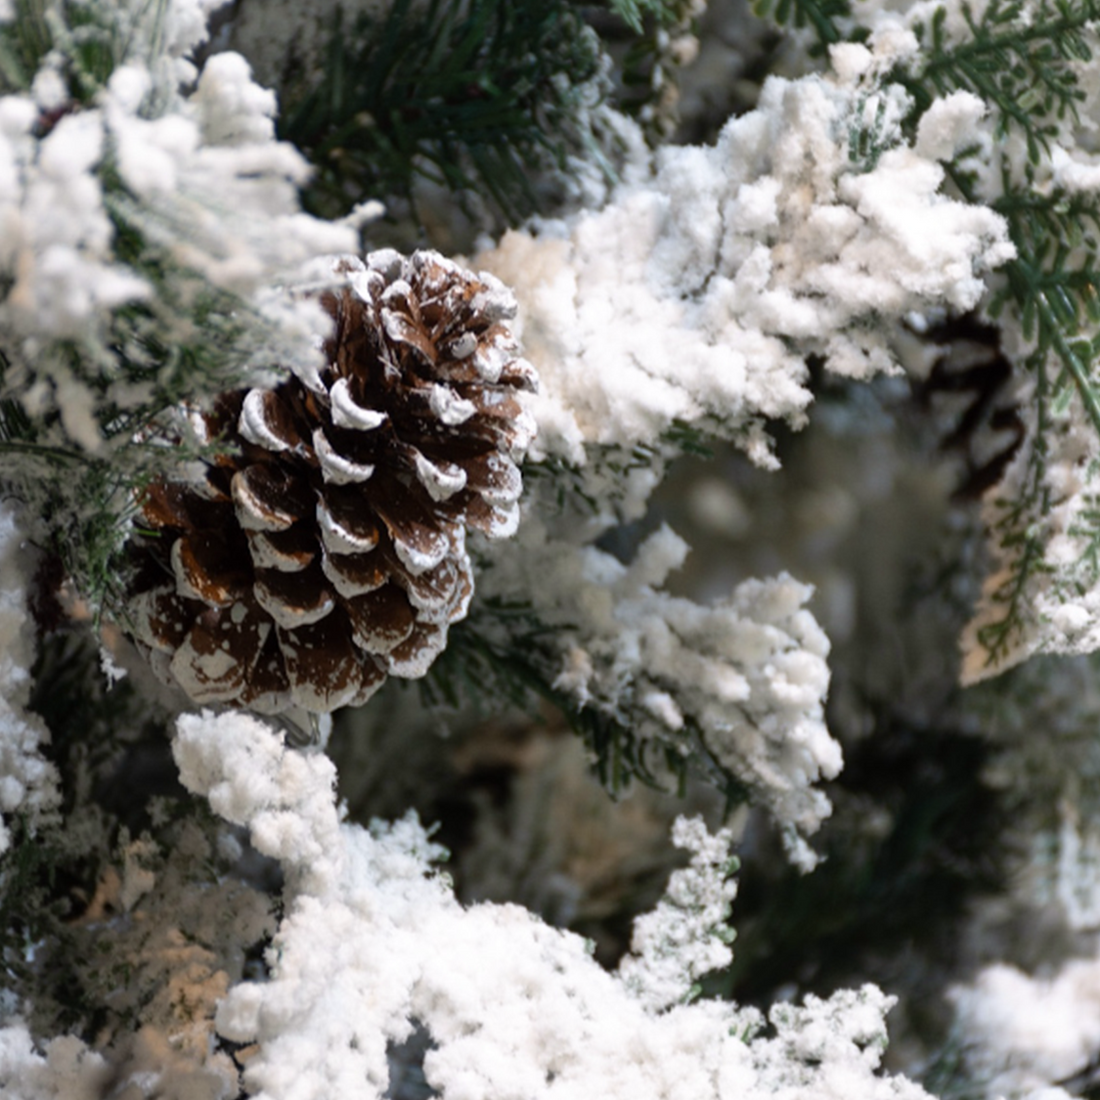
pixel 206 185
pixel 1022 1034
pixel 695 296
pixel 66 1071
pixel 373 940
pixel 1058 608
pixel 28 781
pixel 748 673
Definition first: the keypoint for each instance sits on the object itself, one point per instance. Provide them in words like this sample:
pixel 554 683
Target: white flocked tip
pixel 353 576
pixel 418 557
pixel 335 469
pixel 387 261
pixel 448 407
pixel 254 423
pixel 289 615
pixel 253 512
pixel 207 677
pixel 412 662
pixel 347 414
pixel 338 539
pixel 268 554
pixel 441 480
pixel 462 346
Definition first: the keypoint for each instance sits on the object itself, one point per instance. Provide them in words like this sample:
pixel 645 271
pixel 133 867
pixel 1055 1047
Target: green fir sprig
pixel 634 12
pixel 1022 60
pixel 88 41
pixel 483 96
pixel 1019 531
pixel 505 653
pixel 1018 58
pixel 829 20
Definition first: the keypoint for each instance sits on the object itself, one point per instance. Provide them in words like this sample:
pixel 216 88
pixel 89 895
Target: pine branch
pixel 634 12
pixel 518 671
pixel 203 357
pixel 1058 304
pixel 24 42
pixel 827 19
pixel 1022 60
pixel 475 96
pixel 91 40
pixel 503 652
pixel 1019 60
pixel 1020 533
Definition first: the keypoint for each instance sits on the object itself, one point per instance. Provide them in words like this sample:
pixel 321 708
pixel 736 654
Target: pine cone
pixel 326 548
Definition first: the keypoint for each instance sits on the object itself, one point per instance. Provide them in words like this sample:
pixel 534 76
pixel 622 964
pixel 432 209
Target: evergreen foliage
pixel 477 97
pixel 502 652
pixel 827 19
pixel 89 417
pixel 1018 58
pixel 634 12
pixel 492 101
pixel 1023 61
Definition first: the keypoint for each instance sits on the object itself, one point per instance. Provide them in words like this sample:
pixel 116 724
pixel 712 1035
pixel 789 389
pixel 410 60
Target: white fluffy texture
pixel 1077 874
pixel 749 673
pixel 285 797
pixel 56 240
pixel 1059 606
pixel 211 186
pixel 220 193
pixel 67 1070
pixel 696 295
pixel 1022 1034
pixel 28 782
pixel 56 237
pixel 680 941
pixel 372 940
pixel 694 298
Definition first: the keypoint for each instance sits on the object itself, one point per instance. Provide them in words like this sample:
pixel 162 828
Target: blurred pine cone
pixel 326 548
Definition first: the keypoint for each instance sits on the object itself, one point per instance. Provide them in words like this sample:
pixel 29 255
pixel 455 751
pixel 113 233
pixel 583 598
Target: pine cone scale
pixel 288 551
pixel 381 620
pixel 355 574
pixel 338 468
pixel 216 657
pixel 264 502
pixel 323 667
pixel 348 413
pixel 295 599
pixel 403 331
pixel 344 532
pixel 266 422
pixel 204 569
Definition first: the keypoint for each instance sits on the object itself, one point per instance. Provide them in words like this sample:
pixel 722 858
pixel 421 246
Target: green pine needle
pixel 477 96
pixel 634 12
pixel 1019 59
pixel 1022 60
pixel 503 652
pixel 828 19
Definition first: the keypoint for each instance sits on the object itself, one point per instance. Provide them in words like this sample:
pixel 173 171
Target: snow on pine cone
pixel 326 548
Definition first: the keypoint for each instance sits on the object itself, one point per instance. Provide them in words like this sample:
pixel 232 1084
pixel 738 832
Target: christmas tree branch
pixel 476 96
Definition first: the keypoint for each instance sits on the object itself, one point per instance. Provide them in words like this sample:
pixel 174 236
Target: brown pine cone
pixel 326 548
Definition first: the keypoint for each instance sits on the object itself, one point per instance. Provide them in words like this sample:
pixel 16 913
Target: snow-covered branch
pixel 374 941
